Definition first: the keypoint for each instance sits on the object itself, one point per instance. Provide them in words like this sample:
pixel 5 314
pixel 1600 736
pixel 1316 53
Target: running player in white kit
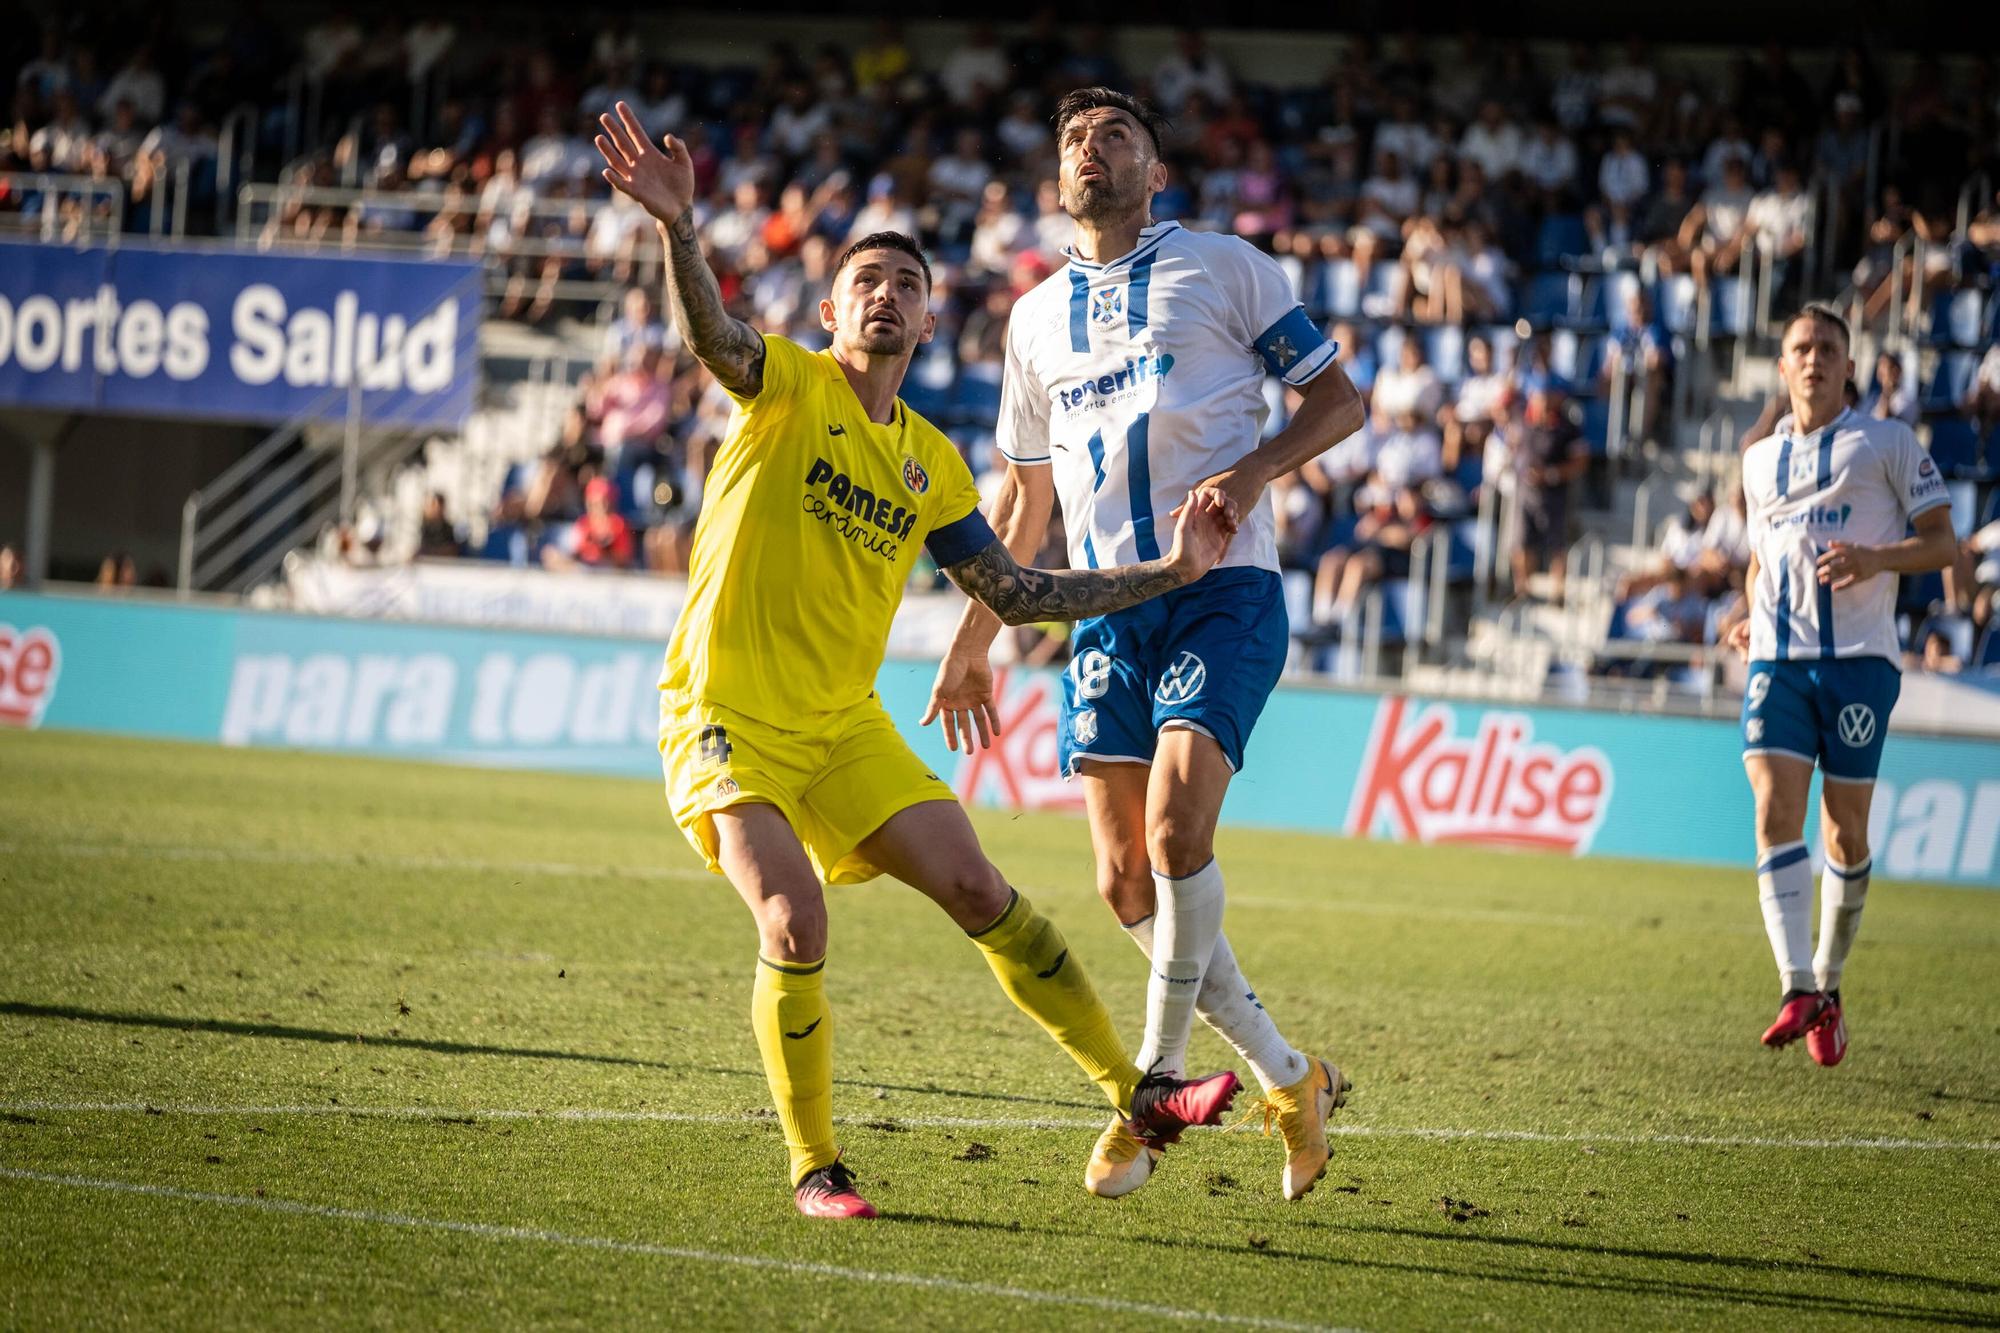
pixel 1133 374
pixel 1831 496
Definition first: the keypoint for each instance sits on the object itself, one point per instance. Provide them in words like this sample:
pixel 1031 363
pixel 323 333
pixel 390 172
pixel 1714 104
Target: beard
pixel 878 340
pixel 1101 200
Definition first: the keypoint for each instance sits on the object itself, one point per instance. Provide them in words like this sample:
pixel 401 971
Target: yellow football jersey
pixel 810 521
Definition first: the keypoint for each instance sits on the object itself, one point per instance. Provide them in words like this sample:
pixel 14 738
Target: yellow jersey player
pixel 782 767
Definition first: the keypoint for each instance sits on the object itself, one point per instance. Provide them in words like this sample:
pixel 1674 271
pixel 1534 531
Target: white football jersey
pixel 1139 378
pixel 1860 481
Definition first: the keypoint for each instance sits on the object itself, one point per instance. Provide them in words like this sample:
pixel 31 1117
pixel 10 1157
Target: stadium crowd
pixel 1434 202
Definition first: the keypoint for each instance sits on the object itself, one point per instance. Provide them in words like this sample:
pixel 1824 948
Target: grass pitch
pixel 291 1040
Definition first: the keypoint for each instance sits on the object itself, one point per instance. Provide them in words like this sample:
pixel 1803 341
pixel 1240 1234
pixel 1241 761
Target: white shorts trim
pixel 1852 782
pixel 1187 724
pixel 1773 749
pixel 1076 759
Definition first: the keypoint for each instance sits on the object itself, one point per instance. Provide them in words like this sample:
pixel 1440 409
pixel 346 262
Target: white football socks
pixel 1185 927
pixel 1842 893
pixel 1226 1003
pixel 1784 891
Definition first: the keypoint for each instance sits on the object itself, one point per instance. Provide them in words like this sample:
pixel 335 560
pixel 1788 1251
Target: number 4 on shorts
pixel 714 744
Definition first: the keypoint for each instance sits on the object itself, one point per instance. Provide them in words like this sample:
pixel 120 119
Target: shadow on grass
pixel 1750 1262
pixel 1609 1284
pixel 286 1032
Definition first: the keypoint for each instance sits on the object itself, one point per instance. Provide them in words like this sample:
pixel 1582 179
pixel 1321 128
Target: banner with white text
pixel 228 335
pixel 1568 782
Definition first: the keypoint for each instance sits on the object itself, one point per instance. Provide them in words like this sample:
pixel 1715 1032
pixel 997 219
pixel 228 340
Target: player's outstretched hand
pixel 962 695
pixel 1843 564
pixel 1738 637
pixel 1201 534
pixel 659 179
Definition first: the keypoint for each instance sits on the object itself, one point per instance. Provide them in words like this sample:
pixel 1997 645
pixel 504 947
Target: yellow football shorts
pixel 835 785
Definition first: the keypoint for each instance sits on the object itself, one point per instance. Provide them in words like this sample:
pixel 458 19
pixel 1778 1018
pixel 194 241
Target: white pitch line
pixel 491 1231
pixel 586 1114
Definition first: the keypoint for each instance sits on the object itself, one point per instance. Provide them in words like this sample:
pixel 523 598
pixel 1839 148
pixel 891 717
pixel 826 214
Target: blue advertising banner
pixel 229 335
pixel 1571 782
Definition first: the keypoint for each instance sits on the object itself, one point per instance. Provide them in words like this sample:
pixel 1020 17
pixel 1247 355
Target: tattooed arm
pixel 661 180
pixel 1024 596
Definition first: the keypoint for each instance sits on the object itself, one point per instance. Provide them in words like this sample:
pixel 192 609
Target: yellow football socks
pixel 794 1028
pixel 1031 959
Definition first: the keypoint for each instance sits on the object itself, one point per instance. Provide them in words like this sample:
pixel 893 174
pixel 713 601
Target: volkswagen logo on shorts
pixel 1857 725
pixel 1182 681
pixel 1083 727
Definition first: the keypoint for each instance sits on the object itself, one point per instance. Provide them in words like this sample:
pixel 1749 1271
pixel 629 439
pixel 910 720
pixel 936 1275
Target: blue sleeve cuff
pixel 960 539
pixel 1294 348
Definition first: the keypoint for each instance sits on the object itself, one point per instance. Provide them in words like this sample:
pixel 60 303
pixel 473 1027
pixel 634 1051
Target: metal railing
pixel 235 158
pixel 259 205
pixel 237 529
pixel 47 222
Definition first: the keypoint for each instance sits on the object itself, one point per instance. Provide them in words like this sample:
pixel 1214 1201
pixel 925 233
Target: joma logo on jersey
pixel 1107 306
pixel 1128 376
pixel 842 493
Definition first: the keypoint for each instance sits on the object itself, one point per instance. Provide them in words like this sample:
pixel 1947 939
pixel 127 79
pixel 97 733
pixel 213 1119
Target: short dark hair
pixel 1080 100
pixel 1826 314
pixel 885 240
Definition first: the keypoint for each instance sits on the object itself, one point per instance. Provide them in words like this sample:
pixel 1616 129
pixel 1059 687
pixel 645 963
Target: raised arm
pixel 661 180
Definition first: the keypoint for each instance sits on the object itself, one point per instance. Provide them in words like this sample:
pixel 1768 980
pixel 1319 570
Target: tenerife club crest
pixel 1107 306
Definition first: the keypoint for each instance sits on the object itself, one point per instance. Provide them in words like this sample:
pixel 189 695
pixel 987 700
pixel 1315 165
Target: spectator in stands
pixel 1410 386
pixel 958 181
pixel 1642 351
pixel 1662 223
pixel 630 409
pixel 976 70
pixel 12 573
pixel 1673 610
pixel 1356 356
pixel 1493 141
pixel 1548 456
pixel 884 61
pixel 1780 221
pixel 601 539
pixel 138 81
pixel 118 572
pixel 1548 162
pixel 637 328
pixel 1388 199
pixel 437 538
pixel 1939 658
pixel 1715 232
pixel 1982 404
pixel 1894 398
pixel 1392 519
pixel 1189 69
pixel 1622 177
pixel 1468 421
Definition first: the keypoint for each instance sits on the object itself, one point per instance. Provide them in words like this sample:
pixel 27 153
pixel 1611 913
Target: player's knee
pixel 1846 844
pixel 974 895
pixel 1126 885
pixel 1178 848
pixel 792 932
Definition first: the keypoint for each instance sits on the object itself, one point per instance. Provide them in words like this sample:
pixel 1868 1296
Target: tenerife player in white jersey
pixel 1831 497
pixel 1131 374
